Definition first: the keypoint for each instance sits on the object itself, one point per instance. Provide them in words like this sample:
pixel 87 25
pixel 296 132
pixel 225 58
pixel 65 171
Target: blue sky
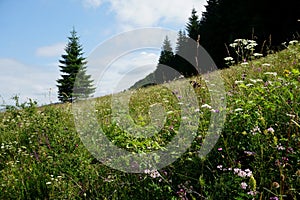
pixel 34 34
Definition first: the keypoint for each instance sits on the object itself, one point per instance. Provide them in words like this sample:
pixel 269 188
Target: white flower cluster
pixel 153 173
pixel 244 43
pixel 242 173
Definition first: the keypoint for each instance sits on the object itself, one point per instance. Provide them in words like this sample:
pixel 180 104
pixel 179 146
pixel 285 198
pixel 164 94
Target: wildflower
pixel 236 170
pixel 255 130
pixel 233 45
pixel 253 80
pixel 215 111
pixel 197 110
pixel 257 54
pixel 293 42
pixel 275 185
pixel 249 153
pixel 206 106
pixel 244 185
pixel 242 174
pixel 271 130
pixel 287 72
pixel 48 183
pixel 291 116
pixel 237 82
pixel 285 159
pixel 280 147
pixel 252 193
pixel 228 58
pixel 290 150
pixel 274 198
pixel 258 69
pixel 238 109
pixel 220 167
pixel 249 172
pixel 181 193
pixel 220 149
pixel 266 83
pixel 266 65
pixel 244 63
pixel 271 73
pixel 152 173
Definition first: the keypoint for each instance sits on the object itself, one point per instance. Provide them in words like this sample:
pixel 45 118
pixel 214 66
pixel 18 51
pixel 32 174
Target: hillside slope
pixel 256 156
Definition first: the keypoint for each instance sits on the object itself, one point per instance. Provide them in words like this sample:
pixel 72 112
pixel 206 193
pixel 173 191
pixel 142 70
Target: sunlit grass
pixel 42 156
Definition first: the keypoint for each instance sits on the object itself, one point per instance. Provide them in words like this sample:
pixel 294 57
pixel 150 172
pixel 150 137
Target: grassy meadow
pixel 256 157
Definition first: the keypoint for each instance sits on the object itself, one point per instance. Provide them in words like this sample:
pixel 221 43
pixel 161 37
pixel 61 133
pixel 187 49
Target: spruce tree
pixel 163 72
pixel 166 54
pixel 181 43
pixel 193 25
pixel 185 52
pixel 74 82
pixel 191 53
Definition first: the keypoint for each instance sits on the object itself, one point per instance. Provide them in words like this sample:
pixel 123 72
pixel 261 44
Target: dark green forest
pixel 269 23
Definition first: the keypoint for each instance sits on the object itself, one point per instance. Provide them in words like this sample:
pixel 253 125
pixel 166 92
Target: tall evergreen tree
pixel 192 44
pixel 74 82
pixel 166 54
pixel 193 26
pixel 181 43
pixel 163 72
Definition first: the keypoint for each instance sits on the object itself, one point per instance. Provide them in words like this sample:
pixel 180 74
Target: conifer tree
pixel 166 54
pixel 193 25
pixel 163 72
pixel 181 43
pixel 191 53
pixel 74 82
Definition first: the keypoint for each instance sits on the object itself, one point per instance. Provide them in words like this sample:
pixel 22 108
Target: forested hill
pixel 267 23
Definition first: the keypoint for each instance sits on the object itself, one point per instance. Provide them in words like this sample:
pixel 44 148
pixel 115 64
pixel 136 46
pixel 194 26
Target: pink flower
pixel 244 185
pixel 271 130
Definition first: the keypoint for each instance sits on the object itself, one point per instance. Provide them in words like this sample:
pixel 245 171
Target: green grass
pixel 43 157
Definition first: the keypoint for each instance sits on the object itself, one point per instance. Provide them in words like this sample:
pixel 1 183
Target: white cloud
pixel 136 13
pixel 92 3
pixel 154 12
pixel 35 82
pixel 53 50
pixel 125 71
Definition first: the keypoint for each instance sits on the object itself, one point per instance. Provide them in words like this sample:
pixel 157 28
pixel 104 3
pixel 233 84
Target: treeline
pixel 269 23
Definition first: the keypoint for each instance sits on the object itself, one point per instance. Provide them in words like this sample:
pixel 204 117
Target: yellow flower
pixel 287 73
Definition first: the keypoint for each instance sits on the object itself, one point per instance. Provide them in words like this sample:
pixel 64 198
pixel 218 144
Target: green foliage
pixel 256 156
pixel 74 82
pixel 268 22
